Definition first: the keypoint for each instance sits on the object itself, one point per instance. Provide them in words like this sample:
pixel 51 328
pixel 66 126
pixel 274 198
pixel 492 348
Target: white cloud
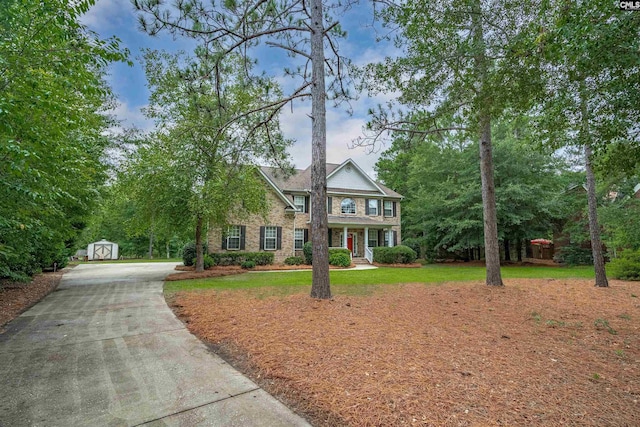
pixel 131 117
pixel 108 15
pixel 342 129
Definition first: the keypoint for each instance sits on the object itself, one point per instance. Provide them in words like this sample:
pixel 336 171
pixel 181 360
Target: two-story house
pixel 362 214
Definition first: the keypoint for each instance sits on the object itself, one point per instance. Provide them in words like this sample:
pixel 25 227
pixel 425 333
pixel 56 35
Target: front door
pixel 350 242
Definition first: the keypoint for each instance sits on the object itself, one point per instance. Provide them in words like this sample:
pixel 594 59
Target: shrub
pixel 345 251
pixel 260 258
pixel 189 253
pixel 626 266
pixel 340 259
pixel 395 255
pixel 237 258
pixel 294 260
pixel 248 265
pixel 573 254
pixel 414 243
pixel 208 261
pixel 307 250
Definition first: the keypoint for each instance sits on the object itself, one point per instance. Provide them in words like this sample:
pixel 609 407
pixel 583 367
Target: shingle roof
pixel 351 220
pixel 300 181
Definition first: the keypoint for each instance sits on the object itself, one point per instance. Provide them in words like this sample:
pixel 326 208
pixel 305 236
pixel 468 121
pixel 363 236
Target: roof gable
pixel 349 175
pixel 346 177
pixel 276 189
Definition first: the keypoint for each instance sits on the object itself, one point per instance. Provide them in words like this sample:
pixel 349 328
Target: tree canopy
pixel 440 177
pixel 53 100
pixel 198 169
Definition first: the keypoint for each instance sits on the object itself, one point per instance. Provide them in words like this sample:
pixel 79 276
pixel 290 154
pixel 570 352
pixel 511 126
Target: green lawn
pixel 133 260
pixel 428 274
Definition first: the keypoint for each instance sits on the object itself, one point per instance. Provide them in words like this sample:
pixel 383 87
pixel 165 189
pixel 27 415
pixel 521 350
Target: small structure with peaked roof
pixel 102 250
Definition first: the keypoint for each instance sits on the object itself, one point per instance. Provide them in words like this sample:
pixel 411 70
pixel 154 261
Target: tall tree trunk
pixel 151 244
pixel 491 244
pixel 483 103
pixel 594 227
pixel 199 254
pixel 320 286
pixel 519 249
pixel 507 250
pixel 167 248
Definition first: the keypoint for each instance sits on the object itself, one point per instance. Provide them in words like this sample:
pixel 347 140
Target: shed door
pixel 102 251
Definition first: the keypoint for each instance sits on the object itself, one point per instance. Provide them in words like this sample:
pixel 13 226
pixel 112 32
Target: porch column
pixel 344 238
pixel 390 237
pixel 366 239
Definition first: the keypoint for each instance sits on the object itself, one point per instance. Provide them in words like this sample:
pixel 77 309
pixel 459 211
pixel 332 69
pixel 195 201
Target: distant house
pixel 362 214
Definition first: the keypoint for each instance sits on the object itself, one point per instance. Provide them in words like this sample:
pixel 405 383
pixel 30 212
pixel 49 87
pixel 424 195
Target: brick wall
pixel 276 216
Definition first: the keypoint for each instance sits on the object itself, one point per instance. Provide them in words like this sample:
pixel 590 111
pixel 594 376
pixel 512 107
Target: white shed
pixel 102 250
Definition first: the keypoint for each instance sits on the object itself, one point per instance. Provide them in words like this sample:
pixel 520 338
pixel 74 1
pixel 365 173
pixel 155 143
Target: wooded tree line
pixel 53 100
pixel 568 69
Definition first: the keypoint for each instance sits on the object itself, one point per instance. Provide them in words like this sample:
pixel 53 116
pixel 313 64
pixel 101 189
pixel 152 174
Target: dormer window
pixel 348 206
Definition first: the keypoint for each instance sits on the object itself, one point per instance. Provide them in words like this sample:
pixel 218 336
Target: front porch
pixel 361 240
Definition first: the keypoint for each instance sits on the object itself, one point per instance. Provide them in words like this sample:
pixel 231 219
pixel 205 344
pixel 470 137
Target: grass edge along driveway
pixel 433 273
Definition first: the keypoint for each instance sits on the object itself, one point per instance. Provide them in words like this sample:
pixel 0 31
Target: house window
pixel 233 237
pixel 372 239
pixel 270 238
pixel 299 201
pixel 348 206
pixel 373 207
pixel 299 238
pixel 388 208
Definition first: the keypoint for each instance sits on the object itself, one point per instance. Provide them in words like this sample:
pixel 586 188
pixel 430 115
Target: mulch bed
pixel 219 271
pixel 17 297
pixel 536 352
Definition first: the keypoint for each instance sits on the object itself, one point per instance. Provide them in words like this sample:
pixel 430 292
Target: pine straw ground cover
pixel 538 352
pixel 17 297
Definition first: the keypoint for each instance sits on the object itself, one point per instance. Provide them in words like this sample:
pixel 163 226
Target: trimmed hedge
pixel 237 258
pixel 395 255
pixel 248 265
pixel 307 249
pixel 345 251
pixel 294 260
pixel 626 267
pixel 339 259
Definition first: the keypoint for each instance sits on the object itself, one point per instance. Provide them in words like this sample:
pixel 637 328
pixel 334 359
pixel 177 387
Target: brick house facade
pixel 362 214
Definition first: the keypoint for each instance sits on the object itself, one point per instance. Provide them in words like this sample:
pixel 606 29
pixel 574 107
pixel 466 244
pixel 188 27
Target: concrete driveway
pixel 105 350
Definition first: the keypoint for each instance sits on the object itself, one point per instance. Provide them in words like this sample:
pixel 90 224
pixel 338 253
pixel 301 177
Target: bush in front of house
pixel 248 265
pixel 294 260
pixel 237 258
pixel 414 243
pixel 339 259
pixel 208 261
pixel 395 255
pixel 626 266
pixel 345 251
pixel 307 250
pixel 189 253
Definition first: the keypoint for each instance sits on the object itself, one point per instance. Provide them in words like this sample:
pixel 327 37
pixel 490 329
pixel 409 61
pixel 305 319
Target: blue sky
pixel 117 17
